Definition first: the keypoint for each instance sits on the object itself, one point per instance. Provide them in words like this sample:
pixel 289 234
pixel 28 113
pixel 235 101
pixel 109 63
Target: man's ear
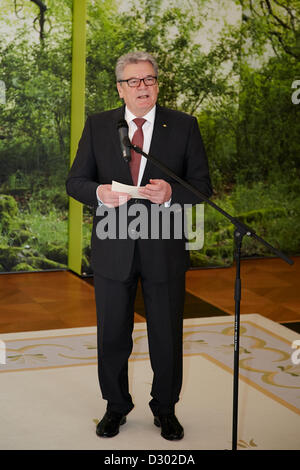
pixel 120 90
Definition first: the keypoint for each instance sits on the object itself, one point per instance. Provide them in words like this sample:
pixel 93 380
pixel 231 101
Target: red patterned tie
pixel 137 139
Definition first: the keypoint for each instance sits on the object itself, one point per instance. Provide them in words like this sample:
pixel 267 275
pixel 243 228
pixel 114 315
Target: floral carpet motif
pixel 265 357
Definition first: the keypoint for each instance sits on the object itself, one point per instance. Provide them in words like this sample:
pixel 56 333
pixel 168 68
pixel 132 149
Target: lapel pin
pixel 164 125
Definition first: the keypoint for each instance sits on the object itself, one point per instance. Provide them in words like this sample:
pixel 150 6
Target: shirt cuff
pixel 100 203
pixel 168 203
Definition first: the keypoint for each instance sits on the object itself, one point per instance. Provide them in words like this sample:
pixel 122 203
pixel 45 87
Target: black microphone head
pixel 124 140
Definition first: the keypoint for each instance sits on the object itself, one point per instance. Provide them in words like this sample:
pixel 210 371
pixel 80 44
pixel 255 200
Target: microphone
pixel 124 140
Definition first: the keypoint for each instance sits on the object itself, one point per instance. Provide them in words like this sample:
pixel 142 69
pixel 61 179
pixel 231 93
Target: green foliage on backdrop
pixel 239 88
pixel 230 63
pixel 35 123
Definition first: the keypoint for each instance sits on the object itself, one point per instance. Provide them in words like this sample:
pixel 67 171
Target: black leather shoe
pixel 171 429
pixel 110 423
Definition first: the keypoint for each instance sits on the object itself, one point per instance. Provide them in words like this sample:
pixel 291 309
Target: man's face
pixel 139 100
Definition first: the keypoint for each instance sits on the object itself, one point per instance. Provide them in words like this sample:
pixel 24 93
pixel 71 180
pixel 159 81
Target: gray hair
pixel 134 58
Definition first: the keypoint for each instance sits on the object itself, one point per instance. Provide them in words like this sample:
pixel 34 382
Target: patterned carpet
pixel 49 385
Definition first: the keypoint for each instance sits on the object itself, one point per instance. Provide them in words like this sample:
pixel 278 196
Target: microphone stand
pixel 240 231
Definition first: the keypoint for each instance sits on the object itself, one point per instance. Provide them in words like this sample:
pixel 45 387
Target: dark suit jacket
pixel 177 143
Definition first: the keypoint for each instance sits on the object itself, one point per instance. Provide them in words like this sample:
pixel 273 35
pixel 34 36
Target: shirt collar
pixel 150 116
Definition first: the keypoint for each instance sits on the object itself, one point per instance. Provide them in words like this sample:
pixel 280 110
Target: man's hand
pixel 111 198
pixel 158 191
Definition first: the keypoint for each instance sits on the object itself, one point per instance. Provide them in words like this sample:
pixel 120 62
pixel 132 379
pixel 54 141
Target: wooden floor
pixel 270 287
pixel 52 300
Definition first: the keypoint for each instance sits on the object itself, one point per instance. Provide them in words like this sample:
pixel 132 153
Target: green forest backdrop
pixel 230 63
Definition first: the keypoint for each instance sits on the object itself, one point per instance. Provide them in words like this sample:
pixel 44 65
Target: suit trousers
pixel 164 303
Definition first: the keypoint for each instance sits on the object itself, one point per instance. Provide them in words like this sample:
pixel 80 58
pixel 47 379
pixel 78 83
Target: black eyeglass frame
pixel 140 80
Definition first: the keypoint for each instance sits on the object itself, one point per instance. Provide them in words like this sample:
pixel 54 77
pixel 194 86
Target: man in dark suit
pixel 119 262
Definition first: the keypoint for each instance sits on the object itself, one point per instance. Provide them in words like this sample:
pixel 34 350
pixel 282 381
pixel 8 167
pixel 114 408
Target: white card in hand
pixel 126 188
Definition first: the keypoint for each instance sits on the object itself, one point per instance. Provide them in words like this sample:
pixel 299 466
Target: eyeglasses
pixel 135 82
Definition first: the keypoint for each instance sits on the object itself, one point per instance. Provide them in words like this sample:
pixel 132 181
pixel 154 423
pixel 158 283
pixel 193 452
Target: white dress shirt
pixel 148 131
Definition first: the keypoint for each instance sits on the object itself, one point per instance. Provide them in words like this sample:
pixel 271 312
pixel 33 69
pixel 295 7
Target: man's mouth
pixel 143 97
